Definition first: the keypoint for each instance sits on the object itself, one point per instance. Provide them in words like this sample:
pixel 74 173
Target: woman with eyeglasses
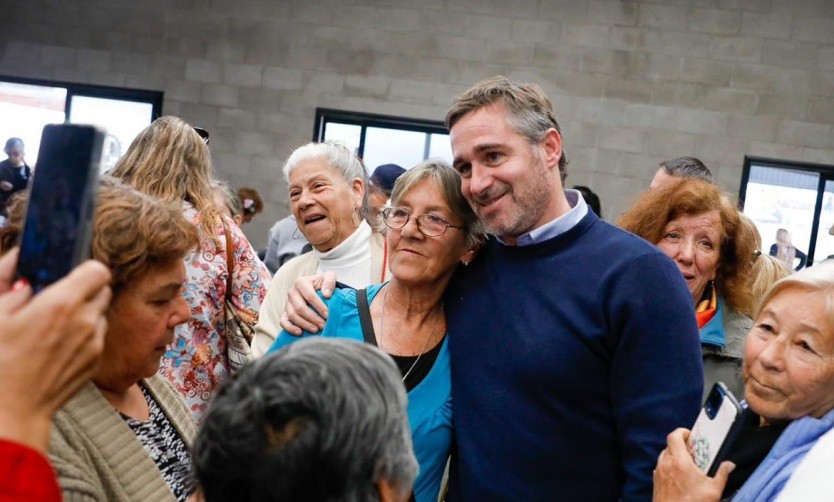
pixel 327 191
pixel 431 230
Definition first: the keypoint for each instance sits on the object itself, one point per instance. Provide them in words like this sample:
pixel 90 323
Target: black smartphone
pixel 59 213
pixel 717 426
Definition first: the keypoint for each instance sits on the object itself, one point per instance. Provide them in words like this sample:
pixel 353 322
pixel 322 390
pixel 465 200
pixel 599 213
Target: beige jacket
pixel 272 307
pixel 97 457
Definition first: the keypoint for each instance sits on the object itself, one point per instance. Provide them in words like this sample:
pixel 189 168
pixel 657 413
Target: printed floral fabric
pixel 196 362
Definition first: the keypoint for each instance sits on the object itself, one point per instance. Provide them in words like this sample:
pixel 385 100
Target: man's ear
pixel 389 493
pixel 470 255
pixel 552 148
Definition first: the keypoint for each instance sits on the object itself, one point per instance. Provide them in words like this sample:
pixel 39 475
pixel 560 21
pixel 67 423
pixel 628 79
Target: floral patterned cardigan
pixel 195 363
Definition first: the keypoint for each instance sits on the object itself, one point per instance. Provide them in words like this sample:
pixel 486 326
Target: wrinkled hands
pixel 304 310
pixel 49 346
pixel 677 478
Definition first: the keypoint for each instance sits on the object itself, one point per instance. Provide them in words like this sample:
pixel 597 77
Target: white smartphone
pixel 721 417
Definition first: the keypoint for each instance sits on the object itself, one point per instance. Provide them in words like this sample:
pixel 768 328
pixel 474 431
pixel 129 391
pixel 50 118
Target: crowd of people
pixel 463 331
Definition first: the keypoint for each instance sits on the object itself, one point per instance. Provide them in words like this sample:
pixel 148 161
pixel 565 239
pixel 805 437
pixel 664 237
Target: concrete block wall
pixel 634 82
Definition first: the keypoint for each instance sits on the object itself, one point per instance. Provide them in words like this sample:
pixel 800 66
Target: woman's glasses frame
pixel 431 225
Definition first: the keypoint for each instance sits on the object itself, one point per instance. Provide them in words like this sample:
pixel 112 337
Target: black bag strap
pixel 365 317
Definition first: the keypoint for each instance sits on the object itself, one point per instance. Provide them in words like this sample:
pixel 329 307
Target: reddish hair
pixel 655 208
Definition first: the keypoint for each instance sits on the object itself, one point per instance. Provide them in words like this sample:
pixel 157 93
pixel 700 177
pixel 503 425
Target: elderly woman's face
pixel 141 322
pixel 416 257
pixel 789 357
pixel 324 203
pixel 694 243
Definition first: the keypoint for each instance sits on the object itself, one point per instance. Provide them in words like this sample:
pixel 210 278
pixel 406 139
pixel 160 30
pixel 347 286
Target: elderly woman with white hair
pixel 327 193
pixel 789 379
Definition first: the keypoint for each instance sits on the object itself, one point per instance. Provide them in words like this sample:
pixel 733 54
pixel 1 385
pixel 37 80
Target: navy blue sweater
pixel 572 359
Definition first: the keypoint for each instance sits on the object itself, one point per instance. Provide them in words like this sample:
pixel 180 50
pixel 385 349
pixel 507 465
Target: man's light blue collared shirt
pixel 558 226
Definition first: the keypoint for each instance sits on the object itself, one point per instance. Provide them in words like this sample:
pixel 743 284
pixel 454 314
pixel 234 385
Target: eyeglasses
pixel 430 224
pixel 202 133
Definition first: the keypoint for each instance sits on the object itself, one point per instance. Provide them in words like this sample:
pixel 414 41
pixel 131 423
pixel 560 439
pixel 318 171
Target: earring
pixel 358 214
pixel 465 263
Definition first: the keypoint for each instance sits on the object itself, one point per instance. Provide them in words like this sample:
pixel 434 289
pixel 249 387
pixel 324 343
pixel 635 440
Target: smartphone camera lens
pixel 712 405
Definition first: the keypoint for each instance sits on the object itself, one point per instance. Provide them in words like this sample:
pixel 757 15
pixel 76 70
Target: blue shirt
pixel 561 224
pixel 429 403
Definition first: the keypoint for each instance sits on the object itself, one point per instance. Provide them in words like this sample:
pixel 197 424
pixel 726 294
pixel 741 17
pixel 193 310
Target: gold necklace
pixel 382 332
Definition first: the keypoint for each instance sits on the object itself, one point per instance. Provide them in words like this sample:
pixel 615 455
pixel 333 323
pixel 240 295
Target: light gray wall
pixel 634 82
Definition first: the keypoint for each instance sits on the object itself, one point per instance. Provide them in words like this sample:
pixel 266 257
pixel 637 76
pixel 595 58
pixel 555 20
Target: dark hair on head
pixel 655 208
pixel 687 167
pixel 11 143
pixel 322 419
pixel 591 199
pixel 529 110
pixel 251 202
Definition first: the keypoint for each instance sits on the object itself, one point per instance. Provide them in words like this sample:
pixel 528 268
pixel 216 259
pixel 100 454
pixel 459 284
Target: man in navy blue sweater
pixel 573 344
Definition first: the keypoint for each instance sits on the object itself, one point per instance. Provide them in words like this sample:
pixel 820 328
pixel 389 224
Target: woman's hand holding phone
pixel 49 346
pixel 677 478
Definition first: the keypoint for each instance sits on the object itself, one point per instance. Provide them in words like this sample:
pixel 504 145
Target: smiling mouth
pixel 313 219
pixel 485 203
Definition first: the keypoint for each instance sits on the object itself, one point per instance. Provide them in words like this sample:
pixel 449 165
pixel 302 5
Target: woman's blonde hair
pixel 767 270
pixel 816 279
pixel 170 161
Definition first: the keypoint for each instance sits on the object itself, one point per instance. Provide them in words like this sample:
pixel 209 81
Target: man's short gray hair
pixel 529 110
pixel 321 419
pixel 687 167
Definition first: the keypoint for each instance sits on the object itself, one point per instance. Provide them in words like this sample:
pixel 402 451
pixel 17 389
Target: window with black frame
pixel 384 139
pixel 790 202
pixel 26 105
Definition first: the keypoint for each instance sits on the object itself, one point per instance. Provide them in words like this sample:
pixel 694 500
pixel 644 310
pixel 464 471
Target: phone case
pixel 718 423
pixel 59 214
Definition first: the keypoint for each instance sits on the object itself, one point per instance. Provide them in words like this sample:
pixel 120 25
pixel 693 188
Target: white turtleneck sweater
pixel 358 261
pixel 350 260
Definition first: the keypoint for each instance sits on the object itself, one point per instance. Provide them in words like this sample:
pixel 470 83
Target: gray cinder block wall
pixel 634 82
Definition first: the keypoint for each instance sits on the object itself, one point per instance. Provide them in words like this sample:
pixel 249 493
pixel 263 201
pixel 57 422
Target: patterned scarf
pixel 707 305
